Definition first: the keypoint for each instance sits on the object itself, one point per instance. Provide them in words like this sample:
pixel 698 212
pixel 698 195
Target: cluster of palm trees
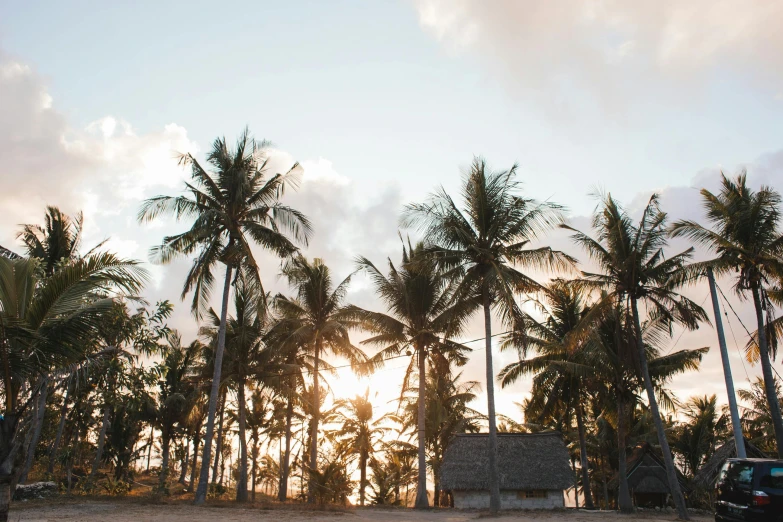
pixel 76 351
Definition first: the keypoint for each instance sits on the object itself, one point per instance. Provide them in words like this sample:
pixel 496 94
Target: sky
pixel 381 102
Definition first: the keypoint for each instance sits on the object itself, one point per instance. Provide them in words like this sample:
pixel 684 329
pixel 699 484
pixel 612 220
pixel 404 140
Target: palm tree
pixel 609 362
pixel 635 268
pixel 244 355
pixel 59 239
pixel 177 397
pixel 423 317
pixel 756 421
pixel 563 307
pixel 359 433
pixel 481 246
pixel 45 326
pixel 698 436
pixel 317 320
pixel 747 239
pixel 446 414
pixel 236 203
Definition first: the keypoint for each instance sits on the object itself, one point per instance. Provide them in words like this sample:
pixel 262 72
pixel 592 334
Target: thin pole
pixel 739 441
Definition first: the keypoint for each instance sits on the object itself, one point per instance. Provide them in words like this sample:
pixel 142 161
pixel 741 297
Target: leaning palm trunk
pixel 586 491
pixel 196 444
pixel 766 370
pixel 316 415
pixel 422 502
pixel 362 476
pixel 165 445
pixel 38 418
pixel 203 482
pixel 219 441
pixel 494 479
pixel 101 441
pixel 60 427
pixel 183 471
pixel 242 482
pixel 671 473
pixel 282 491
pixel 624 496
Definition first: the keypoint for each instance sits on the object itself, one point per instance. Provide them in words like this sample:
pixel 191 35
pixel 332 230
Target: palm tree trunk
pixel 422 502
pixel 584 462
pixel 183 472
pixel 60 427
pixel 101 442
pixel 219 442
pixel 316 415
pixel 165 444
pixel 255 466
pixel 671 473
pixel 736 425
pixel 494 479
pixel 196 443
pixel 624 495
pixel 576 481
pixel 766 370
pixel 242 482
pixel 362 476
pixel 38 417
pixel 149 448
pixel 201 492
pixel 282 491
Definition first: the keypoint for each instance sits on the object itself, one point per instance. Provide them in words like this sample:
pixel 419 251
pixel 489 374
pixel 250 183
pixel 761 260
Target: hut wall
pixel 509 499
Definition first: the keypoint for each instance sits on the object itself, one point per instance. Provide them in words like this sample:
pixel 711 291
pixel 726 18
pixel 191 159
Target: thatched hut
pixel 533 470
pixel 647 480
pixel 707 475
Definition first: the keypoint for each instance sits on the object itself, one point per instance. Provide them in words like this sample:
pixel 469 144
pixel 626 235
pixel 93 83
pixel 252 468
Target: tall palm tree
pixel 317 320
pixel 359 433
pixel 481 245
pixel 563 307
pixel 45 326
pixel 423 317
pixel 635 268
pixel 748 240
pixel 237 203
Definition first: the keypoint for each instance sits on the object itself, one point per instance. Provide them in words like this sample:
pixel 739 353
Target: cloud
pixel 611 50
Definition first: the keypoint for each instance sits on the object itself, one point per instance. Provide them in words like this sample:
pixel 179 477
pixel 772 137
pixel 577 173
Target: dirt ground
pixel 129 511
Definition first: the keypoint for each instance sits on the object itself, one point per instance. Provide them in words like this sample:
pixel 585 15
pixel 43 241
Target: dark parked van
pixel 750 490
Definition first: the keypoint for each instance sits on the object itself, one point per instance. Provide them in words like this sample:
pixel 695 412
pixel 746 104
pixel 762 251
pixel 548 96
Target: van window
pixel 741 473
pixel 773 478
pixel 722 473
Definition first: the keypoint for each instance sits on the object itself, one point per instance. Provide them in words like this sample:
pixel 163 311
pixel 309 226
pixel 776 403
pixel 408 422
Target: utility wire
pixel 684 329
pixel 308 372
pixel 736 344
pixel 743 326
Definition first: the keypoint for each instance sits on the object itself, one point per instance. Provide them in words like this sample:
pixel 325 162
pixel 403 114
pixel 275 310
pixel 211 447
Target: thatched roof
pixel 7 253
pixel 708 473
pixel 525 461
pixel 647 472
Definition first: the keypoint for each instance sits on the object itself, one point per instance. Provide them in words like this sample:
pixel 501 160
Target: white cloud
pixel 612 49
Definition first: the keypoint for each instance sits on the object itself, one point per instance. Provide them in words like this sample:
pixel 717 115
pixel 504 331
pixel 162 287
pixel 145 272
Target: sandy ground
pixel 123 511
